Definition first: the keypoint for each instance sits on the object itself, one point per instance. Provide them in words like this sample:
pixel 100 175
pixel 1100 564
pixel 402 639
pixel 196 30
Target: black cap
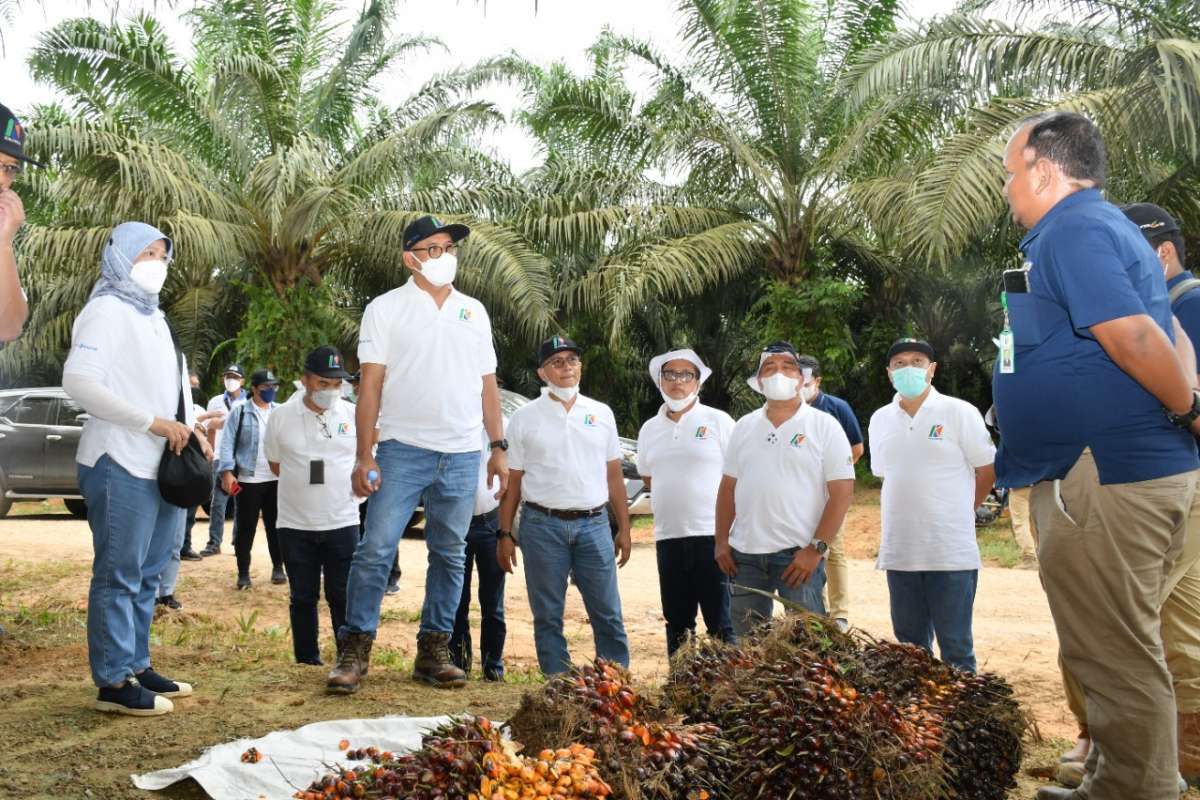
pixel 424 227
pixel 1153 220
pixel 262 376
pixel 556 344
pixel 326 361
pixel 907 345
pixel 234 369
pixel 12 137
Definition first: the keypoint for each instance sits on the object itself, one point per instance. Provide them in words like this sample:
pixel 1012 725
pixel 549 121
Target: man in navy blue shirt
pixel 836 570
pixel 1094 408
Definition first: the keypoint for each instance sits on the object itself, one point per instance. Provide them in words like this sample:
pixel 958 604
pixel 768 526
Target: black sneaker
pixel 156 683
pixel 494 675
pixel 189 555
pixel 392 588
pixel 169 601
pixel 211 550
pixel 134 700
pixel 312 662
pixel 278 575
pixel 243 582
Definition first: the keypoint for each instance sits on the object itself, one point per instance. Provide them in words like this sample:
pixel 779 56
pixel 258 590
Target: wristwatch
pixel 499 443
pixel 821 547
pixel 506 535
pixel 1185 420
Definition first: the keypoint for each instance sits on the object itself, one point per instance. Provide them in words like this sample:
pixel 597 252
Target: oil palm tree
pixel 965 80
pixel 267 156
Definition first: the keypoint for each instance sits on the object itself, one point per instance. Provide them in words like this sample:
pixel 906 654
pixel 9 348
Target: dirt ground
pixel 235 647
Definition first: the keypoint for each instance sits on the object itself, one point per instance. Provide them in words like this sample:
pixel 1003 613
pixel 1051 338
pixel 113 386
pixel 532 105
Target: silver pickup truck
pixel 39 431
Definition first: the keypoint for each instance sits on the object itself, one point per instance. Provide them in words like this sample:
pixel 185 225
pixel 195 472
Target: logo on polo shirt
pixel 589 420
pixel 343 429
pixel 702 432
pixel 936 432
pixel 797 440
pixel 464 314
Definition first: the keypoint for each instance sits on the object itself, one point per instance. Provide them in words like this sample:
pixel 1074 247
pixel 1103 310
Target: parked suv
pixel 39 431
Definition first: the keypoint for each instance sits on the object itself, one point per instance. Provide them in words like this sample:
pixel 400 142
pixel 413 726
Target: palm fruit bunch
pixel 848 717
pixel 643 751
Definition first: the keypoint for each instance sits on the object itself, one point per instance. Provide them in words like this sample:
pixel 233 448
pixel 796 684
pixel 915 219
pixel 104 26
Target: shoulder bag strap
pixel 1182 288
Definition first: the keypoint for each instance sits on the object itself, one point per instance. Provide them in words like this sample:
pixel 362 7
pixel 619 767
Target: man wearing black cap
pixel 566 465
pixel 246 473
pixel 310 446
pixel 428 380
pixel 221 405
pixel 935 457
pixel 13 308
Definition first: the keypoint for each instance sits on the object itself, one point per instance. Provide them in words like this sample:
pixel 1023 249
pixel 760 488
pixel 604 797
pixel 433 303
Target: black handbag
pixel 184 479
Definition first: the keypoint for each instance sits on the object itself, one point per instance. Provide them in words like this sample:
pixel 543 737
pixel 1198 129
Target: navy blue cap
pixel 326 361
pixel 12 137
pixel 556 344
pixel 424 227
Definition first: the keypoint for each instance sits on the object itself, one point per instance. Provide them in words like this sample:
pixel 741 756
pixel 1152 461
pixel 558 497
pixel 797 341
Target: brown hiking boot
pixel 1189 746
pixel 354 655
pixel 433 664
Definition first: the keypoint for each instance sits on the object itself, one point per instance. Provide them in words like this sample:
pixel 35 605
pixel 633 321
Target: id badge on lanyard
pixel 1007 347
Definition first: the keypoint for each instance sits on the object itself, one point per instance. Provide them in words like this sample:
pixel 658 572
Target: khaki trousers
pixel 1180 617
pixel 837 572
pixel 1105 555
pixel 1018 513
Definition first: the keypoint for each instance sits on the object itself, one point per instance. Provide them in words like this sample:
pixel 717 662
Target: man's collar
pixel 1180 278
pixel 933 396
pixel 1062 206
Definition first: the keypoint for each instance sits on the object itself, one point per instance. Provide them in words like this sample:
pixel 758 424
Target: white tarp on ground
pixel 291 759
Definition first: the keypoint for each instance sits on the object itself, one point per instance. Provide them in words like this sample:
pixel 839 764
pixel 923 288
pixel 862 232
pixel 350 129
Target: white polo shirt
pixel 564 455
pixel 294 438
pixel 781 477
pixel 685 461
pixel 928 464
pixel 132 355
pixel 218 404
pixel 435 360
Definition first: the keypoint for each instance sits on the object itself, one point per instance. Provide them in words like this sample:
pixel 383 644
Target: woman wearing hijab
pixel 124 371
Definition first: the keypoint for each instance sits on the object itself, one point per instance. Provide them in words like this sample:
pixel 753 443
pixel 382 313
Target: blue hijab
pixel 128 240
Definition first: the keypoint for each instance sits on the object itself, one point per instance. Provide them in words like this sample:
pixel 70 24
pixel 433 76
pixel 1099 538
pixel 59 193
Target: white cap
pixel 687 354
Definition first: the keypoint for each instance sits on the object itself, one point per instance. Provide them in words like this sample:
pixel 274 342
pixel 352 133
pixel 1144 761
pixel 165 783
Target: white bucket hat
pixel 687 354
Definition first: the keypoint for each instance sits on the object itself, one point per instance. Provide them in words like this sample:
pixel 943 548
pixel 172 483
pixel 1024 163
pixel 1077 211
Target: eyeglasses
pixel 671 376
pixel 324 428
pixel 12 170
pixel 559 363
pixel 435 250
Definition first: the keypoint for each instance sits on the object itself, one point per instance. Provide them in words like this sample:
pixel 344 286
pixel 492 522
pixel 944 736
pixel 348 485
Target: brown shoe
pixel 1189 746
pixel 354 655
pixel 1079 753
pixel 433 664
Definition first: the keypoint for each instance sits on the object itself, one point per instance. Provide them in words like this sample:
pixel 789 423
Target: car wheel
pixel 77 507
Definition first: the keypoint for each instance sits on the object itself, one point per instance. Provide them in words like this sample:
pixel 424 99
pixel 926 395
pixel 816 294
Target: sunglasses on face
pixel 671 376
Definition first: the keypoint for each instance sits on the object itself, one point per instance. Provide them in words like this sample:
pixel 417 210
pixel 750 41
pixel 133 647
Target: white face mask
pixel 779 387
pixel 677 405
pixel 809 392
pixel 324 398
pixel 149 275
pixel 564 393
pixel 440 271
pixel 232 385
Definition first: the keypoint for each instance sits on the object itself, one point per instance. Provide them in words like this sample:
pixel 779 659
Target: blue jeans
pixel 764 571
pixel 481 550
pixel 925 603
pixel 217 509
pixel 133 534
pixel 170 573
pixel 553 550
pixel 447 481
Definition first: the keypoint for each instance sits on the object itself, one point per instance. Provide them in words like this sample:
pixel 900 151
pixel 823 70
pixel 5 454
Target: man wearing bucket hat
pixel 566 466
pixel 789 478
pixel 13 308
pixel 428 380
pixel 935 457
pixel 681 451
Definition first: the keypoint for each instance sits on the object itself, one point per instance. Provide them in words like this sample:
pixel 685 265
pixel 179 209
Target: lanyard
pixel 1008 348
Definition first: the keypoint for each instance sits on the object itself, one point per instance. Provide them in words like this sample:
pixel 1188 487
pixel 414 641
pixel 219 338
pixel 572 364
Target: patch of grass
pixel 16 575
pixel 644 522
pixel 392 658
pixel 31 509
pixel 997 546
pixel 400 615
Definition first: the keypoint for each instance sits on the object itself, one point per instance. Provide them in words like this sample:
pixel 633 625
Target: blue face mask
pixel 267 395
pixel 910 382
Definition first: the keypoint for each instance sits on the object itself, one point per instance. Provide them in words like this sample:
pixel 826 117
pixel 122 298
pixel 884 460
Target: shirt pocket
pixel 1032 318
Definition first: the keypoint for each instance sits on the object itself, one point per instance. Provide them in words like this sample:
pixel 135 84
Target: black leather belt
pixel 567 514
pixel 479 519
